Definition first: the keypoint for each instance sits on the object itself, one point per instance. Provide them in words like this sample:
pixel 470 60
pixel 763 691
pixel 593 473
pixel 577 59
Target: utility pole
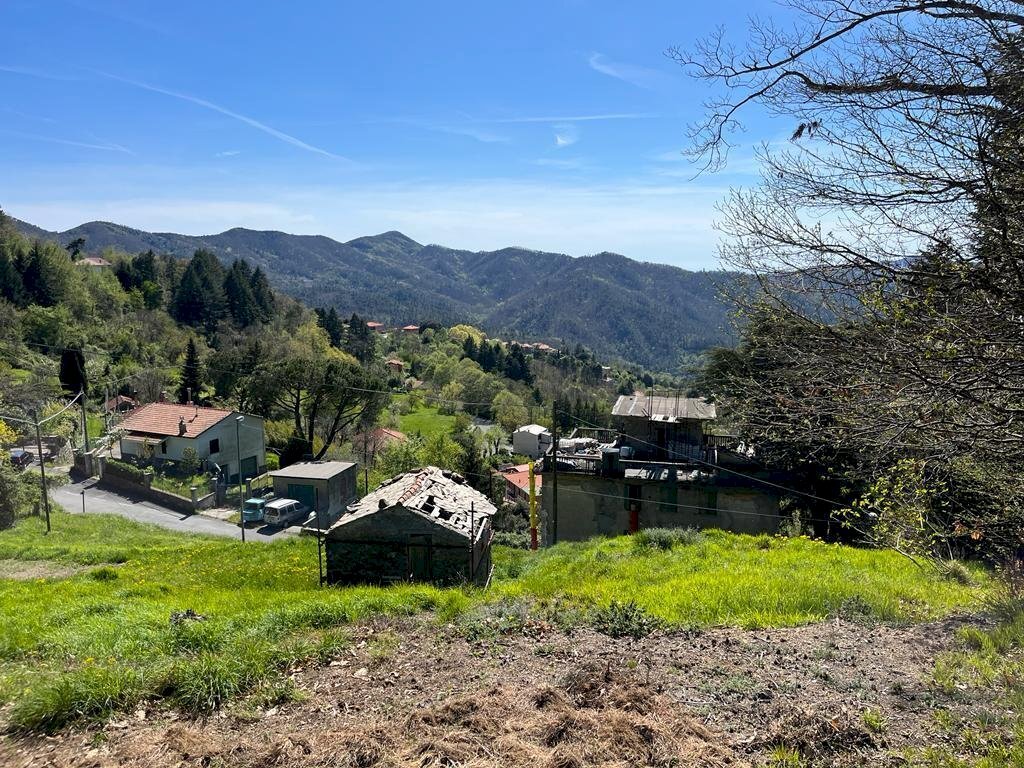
pixel 554 474
pixel 533 507
pixel 42 468
pixel 85 425
pixel 238 456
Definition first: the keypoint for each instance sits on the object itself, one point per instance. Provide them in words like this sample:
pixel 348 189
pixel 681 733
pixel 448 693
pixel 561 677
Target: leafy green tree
pixel 509 410
pixel 47 274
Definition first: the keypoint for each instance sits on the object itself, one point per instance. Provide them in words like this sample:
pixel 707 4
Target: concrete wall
pixel 383 547
pixel 250 433
pixel 530 444
pixel 589 505
pixel 111 479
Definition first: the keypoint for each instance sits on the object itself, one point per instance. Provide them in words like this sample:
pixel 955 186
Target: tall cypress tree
pixel 359 339
pixel 191 374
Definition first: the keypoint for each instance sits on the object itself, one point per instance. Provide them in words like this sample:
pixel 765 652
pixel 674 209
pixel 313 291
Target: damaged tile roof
pixel 166 419
pixel 443 497
pixel 663 408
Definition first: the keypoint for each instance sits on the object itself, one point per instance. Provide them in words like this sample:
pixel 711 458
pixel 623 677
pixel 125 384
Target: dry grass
pixel 597 716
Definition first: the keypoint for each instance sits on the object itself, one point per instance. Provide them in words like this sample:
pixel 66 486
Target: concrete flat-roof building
pixel 326 487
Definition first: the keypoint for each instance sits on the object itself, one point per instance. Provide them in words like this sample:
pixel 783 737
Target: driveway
pixel 100 500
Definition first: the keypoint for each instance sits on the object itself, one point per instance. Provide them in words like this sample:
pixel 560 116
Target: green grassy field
pixel 426 421
pixel 98 638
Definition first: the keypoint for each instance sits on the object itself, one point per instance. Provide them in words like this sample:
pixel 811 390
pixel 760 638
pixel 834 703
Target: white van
pixel 282 512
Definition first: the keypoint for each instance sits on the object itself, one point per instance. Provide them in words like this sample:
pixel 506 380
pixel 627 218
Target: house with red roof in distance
pixel 394 365
pixel 410 329
pixel 119 404
pixel 517 482
pixel 370 443
pixel 376 327
pixel 161 432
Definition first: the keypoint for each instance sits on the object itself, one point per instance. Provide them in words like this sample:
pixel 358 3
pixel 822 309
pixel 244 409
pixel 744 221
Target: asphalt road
pixel 98 500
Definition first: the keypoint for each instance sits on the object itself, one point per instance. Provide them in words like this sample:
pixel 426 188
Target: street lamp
pixel 238 455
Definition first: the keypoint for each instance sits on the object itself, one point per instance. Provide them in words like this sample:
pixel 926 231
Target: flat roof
pixel 313 470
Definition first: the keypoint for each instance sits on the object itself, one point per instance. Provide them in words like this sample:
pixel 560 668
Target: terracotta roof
pixel 374 324
pixel 410 327
pixel 93 261
pixel 164 419
pixel 378 438
pixel 118 400
pixel 519 476
pixel 394 361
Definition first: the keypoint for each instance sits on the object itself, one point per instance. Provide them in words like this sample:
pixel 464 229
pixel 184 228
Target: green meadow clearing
pixel 86 611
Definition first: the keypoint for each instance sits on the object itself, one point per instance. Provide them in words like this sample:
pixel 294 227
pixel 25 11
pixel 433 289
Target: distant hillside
pixel 650 314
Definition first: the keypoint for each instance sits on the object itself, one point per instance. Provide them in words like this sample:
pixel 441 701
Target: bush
pixel 125 471
pixel 624 620
pixel 273 462
pixel 512 540
pixel 189 463
pixel 666 538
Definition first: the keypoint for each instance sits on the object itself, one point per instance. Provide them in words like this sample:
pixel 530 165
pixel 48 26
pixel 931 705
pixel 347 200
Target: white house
pixel 162 432
pixel 533 440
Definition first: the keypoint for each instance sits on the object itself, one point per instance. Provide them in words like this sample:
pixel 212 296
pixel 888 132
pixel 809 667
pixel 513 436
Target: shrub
pixel 512 540
pixel 273 462
pixel 125 470
pixel 624 620
pixel 666 538
pixel 106 573
pixel 189 463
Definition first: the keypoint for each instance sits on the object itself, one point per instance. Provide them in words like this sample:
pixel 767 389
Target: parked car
pixel 253 509
pixel 284 512
pixel 20 458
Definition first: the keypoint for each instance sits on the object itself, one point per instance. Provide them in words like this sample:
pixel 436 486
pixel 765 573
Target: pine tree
pixel 241 302
pixel 199 299
pixel 11 287
pixel 191 374
pixel 328 320
pixel 263 295
pixel 359 339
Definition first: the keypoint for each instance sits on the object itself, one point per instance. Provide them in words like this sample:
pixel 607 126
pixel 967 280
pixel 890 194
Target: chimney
pixel 162 397
pixel 182 428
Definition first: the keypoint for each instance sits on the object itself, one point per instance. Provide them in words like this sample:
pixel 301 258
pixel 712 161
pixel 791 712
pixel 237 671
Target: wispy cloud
pixel 634 74
pixel 104 146
pixel 39 73
pixel 485 137
pixel 566 135
pixel 253 123
pixel 229 153
pixel 574 118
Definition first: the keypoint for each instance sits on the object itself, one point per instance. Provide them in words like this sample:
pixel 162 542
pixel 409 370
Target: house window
pixel 215 446
pixel 163 447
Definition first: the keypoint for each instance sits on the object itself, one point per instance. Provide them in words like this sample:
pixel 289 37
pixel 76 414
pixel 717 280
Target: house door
pixel 248 468
pixel 420 558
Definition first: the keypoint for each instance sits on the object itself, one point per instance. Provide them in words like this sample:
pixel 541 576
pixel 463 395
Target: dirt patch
pixel 29 570
pixel 721 697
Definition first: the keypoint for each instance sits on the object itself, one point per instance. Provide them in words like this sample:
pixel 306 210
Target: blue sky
pixel 553 125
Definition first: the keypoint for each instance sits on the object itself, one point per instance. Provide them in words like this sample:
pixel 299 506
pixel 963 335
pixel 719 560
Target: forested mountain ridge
pixel 652 314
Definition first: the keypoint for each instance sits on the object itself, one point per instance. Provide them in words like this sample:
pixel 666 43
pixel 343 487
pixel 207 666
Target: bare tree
pixel 884 242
